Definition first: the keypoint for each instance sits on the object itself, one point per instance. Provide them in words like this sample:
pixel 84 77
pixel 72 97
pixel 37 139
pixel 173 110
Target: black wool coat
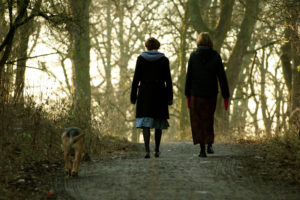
pixel 152 88
pixel 205 70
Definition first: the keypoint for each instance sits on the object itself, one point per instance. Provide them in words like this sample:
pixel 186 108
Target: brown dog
pixel 72 144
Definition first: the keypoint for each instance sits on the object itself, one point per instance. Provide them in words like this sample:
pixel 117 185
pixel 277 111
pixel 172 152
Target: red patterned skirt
pixel 202 119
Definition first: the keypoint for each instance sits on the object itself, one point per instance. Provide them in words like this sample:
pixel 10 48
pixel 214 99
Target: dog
pixel 72 144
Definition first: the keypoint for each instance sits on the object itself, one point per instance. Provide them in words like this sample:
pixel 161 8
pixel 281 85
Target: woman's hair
pixel 204 40
pixel 152 44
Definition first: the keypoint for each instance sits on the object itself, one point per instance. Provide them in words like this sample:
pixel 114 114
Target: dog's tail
pixel 76 138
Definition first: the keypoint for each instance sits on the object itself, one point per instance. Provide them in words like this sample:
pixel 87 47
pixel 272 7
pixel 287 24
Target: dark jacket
pixel 152 85
pixel 205 69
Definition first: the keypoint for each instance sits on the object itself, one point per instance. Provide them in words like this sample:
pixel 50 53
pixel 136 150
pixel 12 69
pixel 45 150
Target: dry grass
pixel 30 146
pixel 284 155
pixel 276 159
pixel 28 136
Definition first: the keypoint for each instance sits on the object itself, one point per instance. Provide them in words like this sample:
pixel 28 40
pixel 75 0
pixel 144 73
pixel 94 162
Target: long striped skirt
pixel 202 119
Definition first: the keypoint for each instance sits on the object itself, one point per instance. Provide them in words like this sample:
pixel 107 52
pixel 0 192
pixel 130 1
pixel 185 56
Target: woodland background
pixel 70 63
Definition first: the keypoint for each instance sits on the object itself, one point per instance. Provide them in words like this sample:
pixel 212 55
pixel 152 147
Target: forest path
pixel 177 174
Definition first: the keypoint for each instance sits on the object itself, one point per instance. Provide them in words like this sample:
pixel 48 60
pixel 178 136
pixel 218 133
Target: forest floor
pixel 231 173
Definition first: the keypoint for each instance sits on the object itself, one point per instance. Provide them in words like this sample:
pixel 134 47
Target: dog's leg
pixel 76 162
pixel 67 163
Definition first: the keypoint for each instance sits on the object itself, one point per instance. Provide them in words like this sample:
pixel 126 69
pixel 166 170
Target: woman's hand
pixel 226 101
pixel 188 100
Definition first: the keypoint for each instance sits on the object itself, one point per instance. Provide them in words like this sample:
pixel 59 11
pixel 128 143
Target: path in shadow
pixel 178 174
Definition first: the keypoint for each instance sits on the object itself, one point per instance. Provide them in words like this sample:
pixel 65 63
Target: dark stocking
pixel 157 139
pixel 146 134
pixel 202 151
pixel 210 148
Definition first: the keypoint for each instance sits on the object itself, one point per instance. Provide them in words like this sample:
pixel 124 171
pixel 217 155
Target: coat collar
pixel 152 55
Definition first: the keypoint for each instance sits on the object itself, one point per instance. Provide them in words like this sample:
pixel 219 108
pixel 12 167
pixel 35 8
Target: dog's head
pixel 69 137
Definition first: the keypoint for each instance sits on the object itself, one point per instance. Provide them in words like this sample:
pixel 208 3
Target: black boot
pixel 202 151
pixel 146 134
pixel 157 141
pixel 210 149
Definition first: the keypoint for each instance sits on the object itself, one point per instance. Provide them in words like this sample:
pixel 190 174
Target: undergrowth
pixel 283 153
pixel 277 158
pixel 30 145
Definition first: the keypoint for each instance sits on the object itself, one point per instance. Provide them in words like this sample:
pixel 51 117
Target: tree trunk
pixel 224 24
pixel 279 101
pixel 286 58
pixel 294 39
pixel 296 64
pixel 220 28
pixel 264 106
pixel 81 60
pixel 243 40
pixel 122 101
pixel 23 35
pixel 183 119
pixel 122 59
pixel 6 45
pixel 240 102
pixel 236 59
pixel 109 87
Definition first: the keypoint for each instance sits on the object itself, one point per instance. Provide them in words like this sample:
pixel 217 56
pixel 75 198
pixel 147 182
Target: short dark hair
pixel 152 44
pixel 204 40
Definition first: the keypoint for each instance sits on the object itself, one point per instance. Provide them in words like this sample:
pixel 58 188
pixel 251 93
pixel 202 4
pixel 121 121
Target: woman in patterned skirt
pixel 152 92
pixel 205 70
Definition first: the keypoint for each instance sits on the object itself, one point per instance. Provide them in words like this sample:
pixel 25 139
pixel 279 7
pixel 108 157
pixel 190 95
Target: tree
pixel 179 26
pixel 23 35
pixel 290 48
pixel 73 18
pixel 80 37
pixel 15 22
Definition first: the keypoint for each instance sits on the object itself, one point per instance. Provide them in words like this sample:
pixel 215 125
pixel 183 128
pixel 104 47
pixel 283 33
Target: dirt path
pixel 178 174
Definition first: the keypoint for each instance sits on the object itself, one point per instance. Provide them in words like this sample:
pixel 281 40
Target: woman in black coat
pixel 205 70
pixel 152 92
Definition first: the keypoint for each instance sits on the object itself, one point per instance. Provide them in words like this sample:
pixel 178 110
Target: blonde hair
pixel 204 40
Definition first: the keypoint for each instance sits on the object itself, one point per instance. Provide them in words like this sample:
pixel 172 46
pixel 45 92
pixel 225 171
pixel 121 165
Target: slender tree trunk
pixel 252 89
pixel 279 101
pixel 23 35
pixel 264 106
pixel 240 104
pixel 286 58
pixel 296 64
pixel 239 110
pixel 109 87
pixel 183 119
pixel 4 89
pixel 81 60
pixel 124 85
pixel 122 60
